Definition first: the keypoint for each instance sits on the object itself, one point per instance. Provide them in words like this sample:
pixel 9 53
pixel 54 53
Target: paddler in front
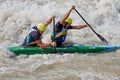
pixel 63 25
pixel 34 36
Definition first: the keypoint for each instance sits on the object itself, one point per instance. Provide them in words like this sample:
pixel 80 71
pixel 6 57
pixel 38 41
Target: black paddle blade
pixel 103 39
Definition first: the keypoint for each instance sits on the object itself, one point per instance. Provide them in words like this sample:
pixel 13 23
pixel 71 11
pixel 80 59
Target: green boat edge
pixel 66 49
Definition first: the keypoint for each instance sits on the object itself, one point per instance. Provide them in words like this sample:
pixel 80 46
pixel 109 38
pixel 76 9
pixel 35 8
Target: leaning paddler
pixel 63 26
pixel 34 36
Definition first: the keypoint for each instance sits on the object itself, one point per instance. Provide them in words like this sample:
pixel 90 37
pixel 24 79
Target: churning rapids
pixel 18 16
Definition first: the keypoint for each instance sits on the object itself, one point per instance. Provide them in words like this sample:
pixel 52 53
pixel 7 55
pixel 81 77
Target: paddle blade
pixel 103 39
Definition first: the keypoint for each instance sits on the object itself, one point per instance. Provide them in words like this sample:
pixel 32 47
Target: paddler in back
pixel 63 25
pixel 34 36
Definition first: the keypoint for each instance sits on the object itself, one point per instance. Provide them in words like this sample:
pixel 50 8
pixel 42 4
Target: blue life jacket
pixel 29 40
pixel 61 35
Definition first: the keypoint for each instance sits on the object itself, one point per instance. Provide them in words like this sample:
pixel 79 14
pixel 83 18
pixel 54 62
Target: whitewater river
pixel 18 16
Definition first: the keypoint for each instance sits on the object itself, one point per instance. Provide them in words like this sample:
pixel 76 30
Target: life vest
pixel 28 40
pixel 61 35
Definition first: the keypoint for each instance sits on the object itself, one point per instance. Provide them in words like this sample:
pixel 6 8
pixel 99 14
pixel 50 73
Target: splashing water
pixel 18 16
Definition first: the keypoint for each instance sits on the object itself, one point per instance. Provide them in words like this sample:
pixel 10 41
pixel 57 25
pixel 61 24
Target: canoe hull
pixel 68 49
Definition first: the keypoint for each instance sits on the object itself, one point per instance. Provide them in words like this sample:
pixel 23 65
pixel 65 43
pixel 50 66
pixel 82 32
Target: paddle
pixel 99 36
pixel 54 34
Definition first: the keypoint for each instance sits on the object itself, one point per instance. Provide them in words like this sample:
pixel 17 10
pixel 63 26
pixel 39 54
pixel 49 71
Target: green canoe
pixel 75 48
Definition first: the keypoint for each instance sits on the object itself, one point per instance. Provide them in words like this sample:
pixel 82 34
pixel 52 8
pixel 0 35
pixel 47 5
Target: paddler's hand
pixel 87 25
pixel 53 43
pixel 52 17
pixel 73 7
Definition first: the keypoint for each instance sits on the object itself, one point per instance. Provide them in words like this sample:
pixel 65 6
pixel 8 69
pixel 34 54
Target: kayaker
pixel 63 25
pixel 34 36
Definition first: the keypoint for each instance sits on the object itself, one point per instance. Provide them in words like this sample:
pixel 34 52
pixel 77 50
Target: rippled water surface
pixel 18 16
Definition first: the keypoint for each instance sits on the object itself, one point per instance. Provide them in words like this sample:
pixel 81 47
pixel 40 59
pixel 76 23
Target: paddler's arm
pixel 44 45
pixel 49 20
pixel 80 26
pixel 67 15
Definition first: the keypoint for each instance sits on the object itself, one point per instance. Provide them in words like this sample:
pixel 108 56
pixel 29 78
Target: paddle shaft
pixel 85 21
pixel 99 36
pixel 54 33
